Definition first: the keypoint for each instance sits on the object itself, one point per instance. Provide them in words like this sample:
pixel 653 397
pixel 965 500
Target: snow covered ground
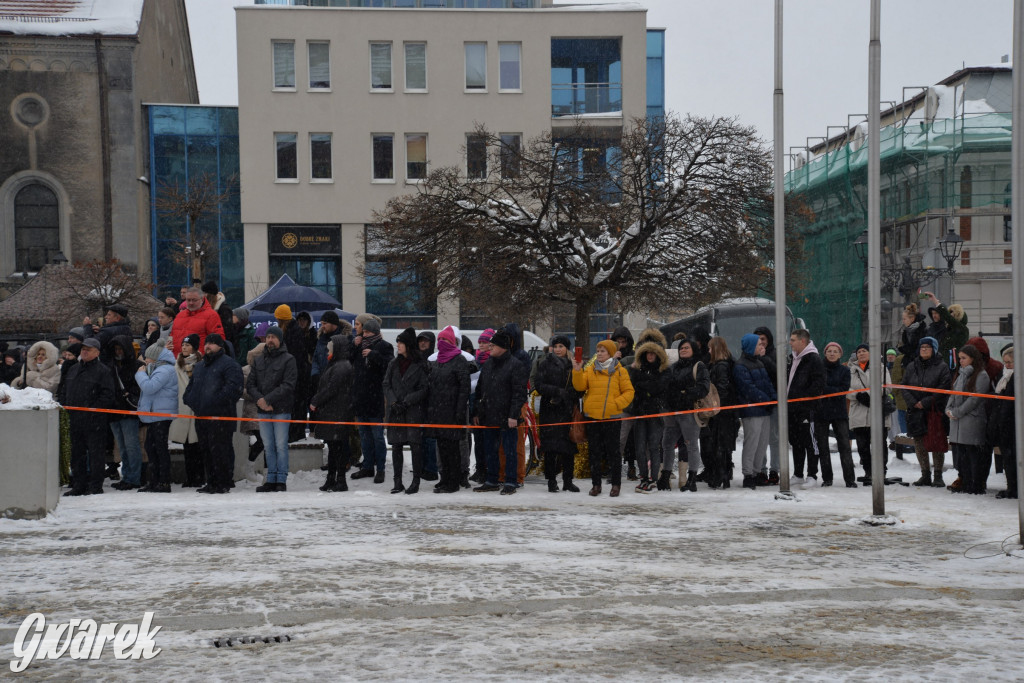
pixel 717 585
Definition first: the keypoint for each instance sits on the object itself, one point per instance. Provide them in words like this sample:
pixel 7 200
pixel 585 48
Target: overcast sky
pixel 720 59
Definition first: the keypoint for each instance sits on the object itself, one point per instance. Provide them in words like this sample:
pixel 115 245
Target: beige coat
pixel 45 377
pixel 183 430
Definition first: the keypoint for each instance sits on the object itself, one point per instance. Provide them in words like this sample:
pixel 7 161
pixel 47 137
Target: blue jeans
pixel 275 444
pixel 430 455
pixel 509 437
pixel 126 434
pixel 371 437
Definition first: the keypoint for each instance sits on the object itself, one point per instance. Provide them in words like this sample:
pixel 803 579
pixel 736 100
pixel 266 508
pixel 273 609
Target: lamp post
pixel 950 246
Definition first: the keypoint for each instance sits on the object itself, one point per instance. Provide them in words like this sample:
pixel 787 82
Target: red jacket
pixel 203 322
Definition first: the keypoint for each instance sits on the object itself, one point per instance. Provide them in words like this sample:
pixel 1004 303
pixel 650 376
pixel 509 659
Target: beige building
pixel 343 108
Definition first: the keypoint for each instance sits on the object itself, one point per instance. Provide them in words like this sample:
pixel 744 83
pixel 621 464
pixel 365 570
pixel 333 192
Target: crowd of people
pixel 465 414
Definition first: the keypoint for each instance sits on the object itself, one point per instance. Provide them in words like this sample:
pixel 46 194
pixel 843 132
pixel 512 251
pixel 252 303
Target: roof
pixel 70 17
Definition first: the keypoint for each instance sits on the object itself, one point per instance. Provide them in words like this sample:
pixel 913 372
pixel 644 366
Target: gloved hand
pixel 864 398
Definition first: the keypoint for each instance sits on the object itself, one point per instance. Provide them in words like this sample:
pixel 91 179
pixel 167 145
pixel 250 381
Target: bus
pixel 731 319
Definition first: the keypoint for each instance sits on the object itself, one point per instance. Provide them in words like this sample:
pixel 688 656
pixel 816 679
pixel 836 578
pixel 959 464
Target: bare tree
pixel 200 197
pixel 661 217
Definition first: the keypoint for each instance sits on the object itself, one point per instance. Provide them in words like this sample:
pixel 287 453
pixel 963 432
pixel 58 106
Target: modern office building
pixel 945 166
pixel 73 140
pixel 345 105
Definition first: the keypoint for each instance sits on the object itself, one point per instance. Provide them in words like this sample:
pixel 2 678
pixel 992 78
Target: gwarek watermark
pixel 82 639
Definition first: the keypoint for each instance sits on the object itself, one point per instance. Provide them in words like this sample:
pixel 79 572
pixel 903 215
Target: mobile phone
pixel 579 354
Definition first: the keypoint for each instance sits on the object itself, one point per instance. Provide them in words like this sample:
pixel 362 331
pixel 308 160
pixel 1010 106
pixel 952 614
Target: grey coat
pixel 967 416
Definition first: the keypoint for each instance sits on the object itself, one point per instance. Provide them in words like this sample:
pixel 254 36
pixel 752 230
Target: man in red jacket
pixel 197 318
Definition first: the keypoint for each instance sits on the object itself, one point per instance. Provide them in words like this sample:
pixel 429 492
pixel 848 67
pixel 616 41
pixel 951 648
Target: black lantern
pixel 950 246
pixel 860 246
pixel 59 259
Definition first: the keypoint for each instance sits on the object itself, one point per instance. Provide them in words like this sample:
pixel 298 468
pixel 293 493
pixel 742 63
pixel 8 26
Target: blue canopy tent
pixel 310 299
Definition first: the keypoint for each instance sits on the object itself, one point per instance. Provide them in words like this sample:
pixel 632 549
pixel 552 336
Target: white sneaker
pixel 809 483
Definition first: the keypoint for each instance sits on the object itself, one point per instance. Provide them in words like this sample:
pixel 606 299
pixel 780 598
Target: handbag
pixel 576 432
pixel 888 402
pixel 709 406
pixel 935 439
pixel 127 395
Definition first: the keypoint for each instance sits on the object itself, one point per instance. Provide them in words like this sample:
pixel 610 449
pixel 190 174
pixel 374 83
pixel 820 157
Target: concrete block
pixel 30 462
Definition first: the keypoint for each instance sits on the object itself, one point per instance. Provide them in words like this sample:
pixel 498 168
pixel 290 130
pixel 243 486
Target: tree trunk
pixel 583 308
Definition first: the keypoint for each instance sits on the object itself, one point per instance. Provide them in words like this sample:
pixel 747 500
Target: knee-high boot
pixel 397 464
pixel 417 468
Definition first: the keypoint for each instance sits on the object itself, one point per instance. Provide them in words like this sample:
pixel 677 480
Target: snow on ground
pixel 717 585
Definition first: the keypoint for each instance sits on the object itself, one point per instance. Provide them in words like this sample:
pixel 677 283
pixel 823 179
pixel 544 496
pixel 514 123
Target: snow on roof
pixel 602 7
pixel 70 17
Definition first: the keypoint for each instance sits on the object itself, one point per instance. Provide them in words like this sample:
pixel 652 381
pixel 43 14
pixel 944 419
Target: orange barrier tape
pixel 551 424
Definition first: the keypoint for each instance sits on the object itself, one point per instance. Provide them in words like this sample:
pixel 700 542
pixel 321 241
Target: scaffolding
pixel 945 162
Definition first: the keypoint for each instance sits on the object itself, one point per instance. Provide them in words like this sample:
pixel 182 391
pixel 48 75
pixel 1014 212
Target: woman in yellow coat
pixel 607 392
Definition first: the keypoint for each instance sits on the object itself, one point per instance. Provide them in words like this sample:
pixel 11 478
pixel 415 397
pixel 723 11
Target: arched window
pixel 36 227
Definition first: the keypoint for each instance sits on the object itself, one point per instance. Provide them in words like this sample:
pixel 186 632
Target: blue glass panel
pixel 169 272
pixel 586 76
pixel 655 73
pixel 201 120
pixel 232 264
pixel 228 120
pixel 168 120
pixel 202 157
pixel 231 227
pixel 169 227
pixel 228 160
pixel 168 146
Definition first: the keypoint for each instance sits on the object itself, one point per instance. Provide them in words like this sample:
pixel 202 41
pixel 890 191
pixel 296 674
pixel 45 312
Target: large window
pixel 319 66
pixel 415 156
pixel 287 156
pixel 509 71
pixel 320 156
pixel 36 227
pixel 401 291
pixel 284 64
pixel 476 66
pixel 511 150
pixel 380 66
pixel 476 157
pixel 383 157
pixel 586 76
pixel 416 66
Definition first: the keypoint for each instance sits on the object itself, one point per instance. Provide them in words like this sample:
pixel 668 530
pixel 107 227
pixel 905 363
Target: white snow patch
pixel 26 399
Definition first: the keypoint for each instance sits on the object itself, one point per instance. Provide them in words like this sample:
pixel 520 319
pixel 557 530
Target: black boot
pixel 414 487
pixel 332 479
pixel 664 483
pixel 340 484
pixel 568 469
pixel 552 486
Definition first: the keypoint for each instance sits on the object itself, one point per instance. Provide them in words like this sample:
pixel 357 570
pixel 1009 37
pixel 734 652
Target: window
pixel 415 156
pixel 965 257
pixel 320 156
pixel 36 227
pixel 415 66
pixel 319 66
pixel 1008 257
pixel 287 162
pixel 380 66
pixel 511 149
pixel 284 64
pixel 476 66
pixel 384 157
pixel 476 157
pixel 509 72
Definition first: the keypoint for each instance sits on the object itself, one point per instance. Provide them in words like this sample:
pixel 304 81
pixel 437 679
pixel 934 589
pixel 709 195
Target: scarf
pixel 1004 380
pixel 153 366
pixel 606 365
pixel 368 341
pixel 446 348
pixel 403 364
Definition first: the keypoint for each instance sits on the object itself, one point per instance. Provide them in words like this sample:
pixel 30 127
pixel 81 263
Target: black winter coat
pixel 333 399
pixel 1002 422
pixel 410 392
pixel 273 377
pixel 62 388
pixel 753 385
pixel 932 374
pixel 721 376
pixel 910 338
pixel 682 388
pixel 89 385
pixel 808 380
pixel 448 396
pixel 501 390
pixel 123 371
pixel 650 387
pixel 837 378
pixel 107 334
pixel 215 387
pixel 552 379
pixel 368 378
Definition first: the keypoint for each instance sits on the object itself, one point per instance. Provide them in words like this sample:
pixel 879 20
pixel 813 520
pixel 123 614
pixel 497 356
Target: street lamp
pixel 950 246
pixel 860 246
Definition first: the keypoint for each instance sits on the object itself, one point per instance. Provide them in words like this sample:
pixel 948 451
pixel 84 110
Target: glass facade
pixel 586 76
pixel 192 149
pixel 655 73
pixel 402 298
pixel 454 4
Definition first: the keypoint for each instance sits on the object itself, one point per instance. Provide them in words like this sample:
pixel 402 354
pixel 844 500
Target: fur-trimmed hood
pixel 654 347
pixel 651 334
pixel 51 355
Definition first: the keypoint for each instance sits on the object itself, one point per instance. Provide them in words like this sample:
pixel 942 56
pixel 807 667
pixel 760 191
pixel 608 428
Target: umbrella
pixel 300 298
pixel 256 317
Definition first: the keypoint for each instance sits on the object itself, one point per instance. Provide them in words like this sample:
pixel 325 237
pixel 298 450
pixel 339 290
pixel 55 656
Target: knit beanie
pixel 486 336
pixel 608 345
pixel 78 333
pixel 930 341
pixel 863 346
pixel 501 339
pixel 283 312
pixel 275 331
pixel 243 315
pixel 193 340
pixel 154 350
pixel 372 326
pixel 407 337
pixel 835 344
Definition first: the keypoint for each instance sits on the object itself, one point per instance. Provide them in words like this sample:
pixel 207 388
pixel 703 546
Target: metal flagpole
pixel 874 272
pixel 781 331
pixel 1017 199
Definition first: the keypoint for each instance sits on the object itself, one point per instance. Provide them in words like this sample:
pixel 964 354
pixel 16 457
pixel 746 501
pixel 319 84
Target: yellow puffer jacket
pixel 605 395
